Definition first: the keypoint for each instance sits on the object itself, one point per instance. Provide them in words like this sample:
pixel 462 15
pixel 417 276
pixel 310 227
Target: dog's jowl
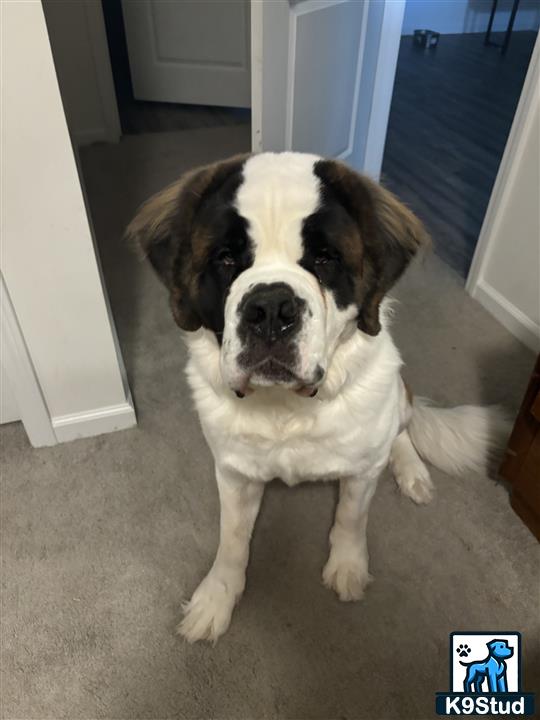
pixel 278 268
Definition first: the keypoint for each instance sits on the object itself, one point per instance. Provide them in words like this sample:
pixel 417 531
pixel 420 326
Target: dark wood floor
pixel 451 113
pixel 137 116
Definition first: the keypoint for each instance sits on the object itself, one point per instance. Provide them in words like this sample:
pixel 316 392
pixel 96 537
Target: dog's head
pixel 281 256
pixel 500 649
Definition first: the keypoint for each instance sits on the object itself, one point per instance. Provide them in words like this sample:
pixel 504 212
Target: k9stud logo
pixel 485 676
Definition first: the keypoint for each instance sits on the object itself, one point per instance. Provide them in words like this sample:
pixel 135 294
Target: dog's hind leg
pixel 468 682
pixel 411 475
pixel 478 684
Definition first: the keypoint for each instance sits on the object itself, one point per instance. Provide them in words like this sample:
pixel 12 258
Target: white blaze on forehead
pixel 278 192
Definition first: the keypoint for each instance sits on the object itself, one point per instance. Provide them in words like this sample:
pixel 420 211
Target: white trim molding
pixel 97 34
pixel 494 233
pixel 525 329
pixel 383 88
pixel 94 422
pixel 256 74
pixel 78 38
pixel 347 153
pixel 22 376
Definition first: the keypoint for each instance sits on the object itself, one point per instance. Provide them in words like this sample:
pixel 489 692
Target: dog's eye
pixel 324 256
pixel 225 257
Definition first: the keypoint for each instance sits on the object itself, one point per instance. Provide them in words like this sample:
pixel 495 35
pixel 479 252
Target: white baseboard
pixel 94 422
pixel 508 315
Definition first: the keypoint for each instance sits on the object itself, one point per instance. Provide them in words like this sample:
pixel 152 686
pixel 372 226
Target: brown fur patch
pixel 165 230
pixel 389 235
pixel 384 237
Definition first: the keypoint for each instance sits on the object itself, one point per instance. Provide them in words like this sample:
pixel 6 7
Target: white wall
pixel 464 16
pixel 81 56
pixel 505 274
pixel 48 259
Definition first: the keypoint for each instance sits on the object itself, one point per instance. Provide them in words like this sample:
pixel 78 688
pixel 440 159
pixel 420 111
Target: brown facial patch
pixel 171 231
pixel 375 240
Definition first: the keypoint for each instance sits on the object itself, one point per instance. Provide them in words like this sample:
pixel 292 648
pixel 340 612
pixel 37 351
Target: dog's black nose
pixel 271 312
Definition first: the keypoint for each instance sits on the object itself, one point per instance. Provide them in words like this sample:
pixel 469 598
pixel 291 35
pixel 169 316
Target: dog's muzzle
pixel 270 319
pixel 273 333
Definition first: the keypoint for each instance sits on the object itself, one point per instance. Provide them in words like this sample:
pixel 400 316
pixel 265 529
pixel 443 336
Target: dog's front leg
pixel 501 683
pixel 346 571
pixel 208 614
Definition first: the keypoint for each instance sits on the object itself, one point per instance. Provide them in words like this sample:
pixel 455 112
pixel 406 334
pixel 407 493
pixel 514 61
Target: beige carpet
pixel 102 538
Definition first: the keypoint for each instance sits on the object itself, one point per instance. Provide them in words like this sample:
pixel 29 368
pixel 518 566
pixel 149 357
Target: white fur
pixel 208 614
pixel 457 439
pixel 345 432
pixel 346 571
pixel 359 420
pixel 411 475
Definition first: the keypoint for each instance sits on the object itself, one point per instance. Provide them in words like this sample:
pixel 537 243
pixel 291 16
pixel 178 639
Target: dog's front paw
pixel 414 481
pixel 348 577
pixel 208 614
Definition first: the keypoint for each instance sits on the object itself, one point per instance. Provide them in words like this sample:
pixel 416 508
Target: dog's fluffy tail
pixel 458 439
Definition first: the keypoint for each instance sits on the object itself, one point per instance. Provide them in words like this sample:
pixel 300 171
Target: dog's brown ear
pixel 389 236
pixel 395 239
pixel 165 231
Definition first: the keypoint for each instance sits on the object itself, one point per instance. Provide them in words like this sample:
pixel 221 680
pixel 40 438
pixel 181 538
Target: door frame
pixel 383 88
pixel 477 286
pixel 62 360
pixel 101 88
pixel 20 371
pixel 112 132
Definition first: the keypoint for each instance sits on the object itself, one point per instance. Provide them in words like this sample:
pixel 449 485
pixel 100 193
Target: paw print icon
pixel 463 650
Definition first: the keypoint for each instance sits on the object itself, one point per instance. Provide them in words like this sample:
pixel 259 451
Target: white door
pixel 189 51
pixel 322 76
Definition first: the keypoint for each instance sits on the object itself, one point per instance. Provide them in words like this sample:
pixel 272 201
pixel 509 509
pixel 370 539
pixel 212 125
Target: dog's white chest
pixel 312 441
pixel 346 430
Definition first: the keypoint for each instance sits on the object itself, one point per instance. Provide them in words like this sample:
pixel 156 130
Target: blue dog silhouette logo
pixel 485 676
pixel 492 669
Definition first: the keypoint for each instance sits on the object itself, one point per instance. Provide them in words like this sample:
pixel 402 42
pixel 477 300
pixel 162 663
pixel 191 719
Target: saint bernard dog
pixel 278 267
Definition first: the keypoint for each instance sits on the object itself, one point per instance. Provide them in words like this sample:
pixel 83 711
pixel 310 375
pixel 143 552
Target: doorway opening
pixel 162 53
pixel 178 98
pixel 451 113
